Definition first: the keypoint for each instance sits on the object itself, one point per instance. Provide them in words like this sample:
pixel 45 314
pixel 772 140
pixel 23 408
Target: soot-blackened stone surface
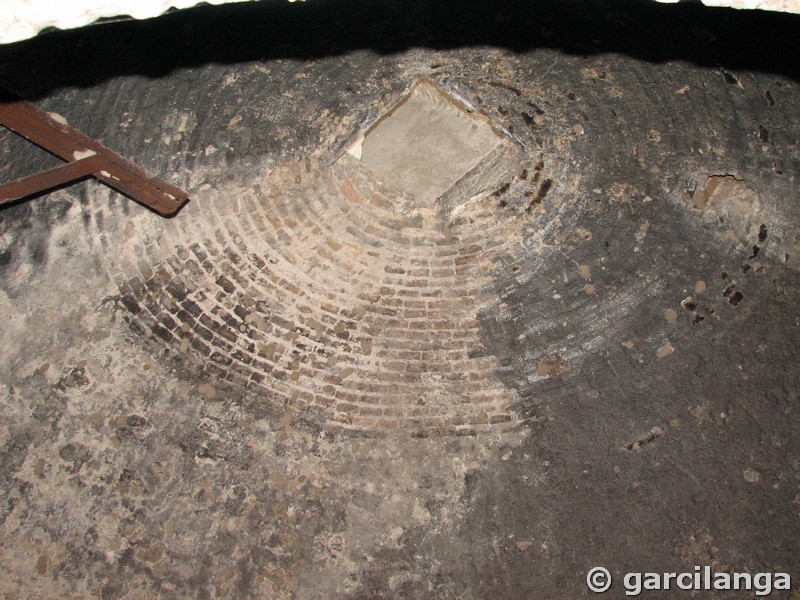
pixel 312 384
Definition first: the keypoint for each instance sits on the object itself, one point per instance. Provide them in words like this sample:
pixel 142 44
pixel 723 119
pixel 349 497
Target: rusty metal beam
pixel 55 136
pixel 48 180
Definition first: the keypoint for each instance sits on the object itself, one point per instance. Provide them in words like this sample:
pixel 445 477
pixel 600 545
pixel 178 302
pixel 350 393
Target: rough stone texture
pixel 305 387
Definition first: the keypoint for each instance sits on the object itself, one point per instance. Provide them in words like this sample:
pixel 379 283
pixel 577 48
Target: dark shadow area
pixel 710 37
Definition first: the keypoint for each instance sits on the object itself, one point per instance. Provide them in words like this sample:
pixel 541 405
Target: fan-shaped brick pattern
pixel 324 292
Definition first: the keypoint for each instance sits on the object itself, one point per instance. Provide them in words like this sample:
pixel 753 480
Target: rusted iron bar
pixel 53 178
pixel 54 135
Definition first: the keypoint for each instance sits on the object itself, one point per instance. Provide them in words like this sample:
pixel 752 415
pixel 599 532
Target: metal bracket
pixel 85 157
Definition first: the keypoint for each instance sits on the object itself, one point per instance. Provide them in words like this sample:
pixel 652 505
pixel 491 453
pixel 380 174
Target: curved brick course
pixel 329 295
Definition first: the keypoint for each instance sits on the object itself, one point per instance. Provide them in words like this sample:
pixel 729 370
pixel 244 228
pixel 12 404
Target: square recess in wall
pixel 427 143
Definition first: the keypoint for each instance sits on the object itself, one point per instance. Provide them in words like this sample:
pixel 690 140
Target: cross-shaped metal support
pixel 85 157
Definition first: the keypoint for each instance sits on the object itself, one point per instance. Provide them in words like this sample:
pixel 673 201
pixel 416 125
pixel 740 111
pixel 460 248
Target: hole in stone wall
pixel 426 143
pixel 730 199
pixel 732 296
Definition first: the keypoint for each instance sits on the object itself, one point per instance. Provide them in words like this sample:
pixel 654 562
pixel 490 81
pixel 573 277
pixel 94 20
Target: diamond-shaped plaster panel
pixel 426 144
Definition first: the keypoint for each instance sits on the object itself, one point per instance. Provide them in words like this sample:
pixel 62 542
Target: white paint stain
pixel 81 154
pixel 58 118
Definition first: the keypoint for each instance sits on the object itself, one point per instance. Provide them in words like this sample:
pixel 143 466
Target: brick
pixel 162 333
pixel 381 201
pixel 495 419
pixel 391 302
pixel 214 370
pixel 221 359
pixel 351 192
pixel 177 290
pixel 185 318
pixel 192 308
pixel 418 283
pixel 167 321
pixel 237 379
pixel 198 251
pixel 445 252
pixel 242 357
pixel 233 257
pixel 436 273
pixel 227 333
pixel 471 249
pixel 201 347
pixel 226 284
pixel 437 304
pixel 130 304
pixel 431 294
pixel 333 245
